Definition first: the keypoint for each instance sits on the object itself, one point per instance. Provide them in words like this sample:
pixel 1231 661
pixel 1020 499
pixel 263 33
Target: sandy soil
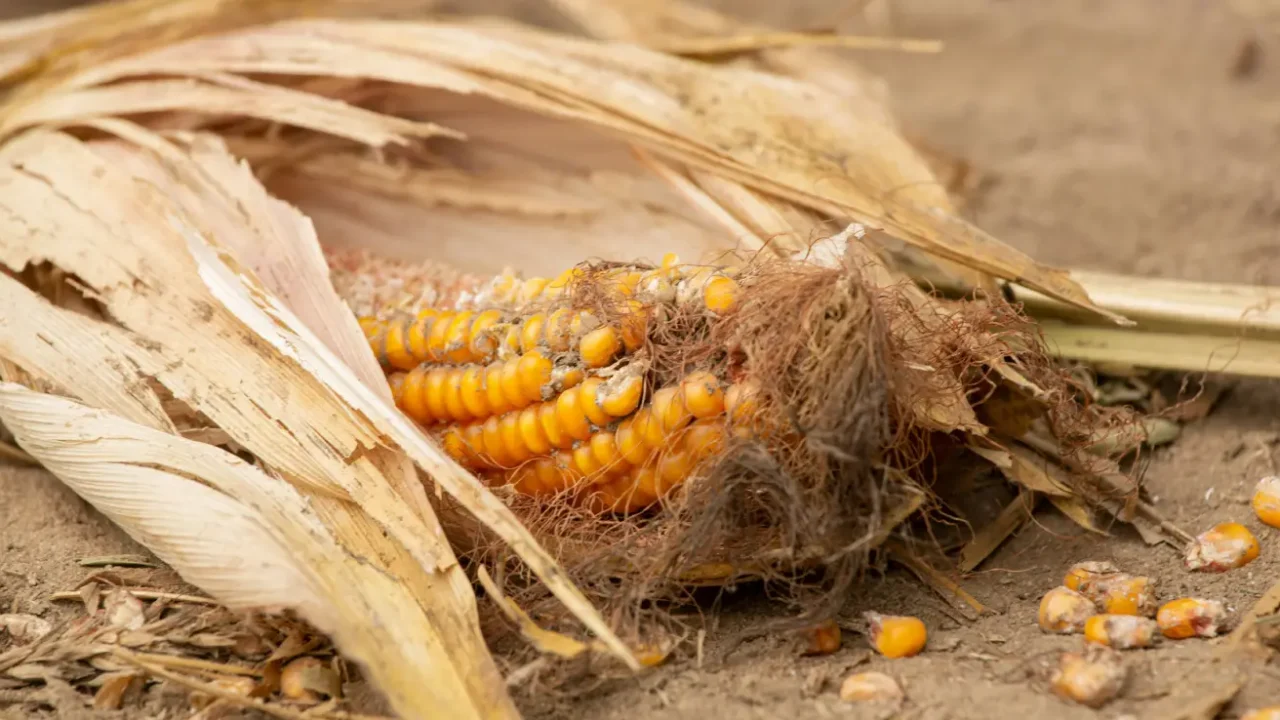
pixel 1108 135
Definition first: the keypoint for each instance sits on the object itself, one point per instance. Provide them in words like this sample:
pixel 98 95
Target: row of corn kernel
pixel 626 463
pixel 445 336
pixel 717 289
pixel 433 336
pixel 505 441
pixel 472 392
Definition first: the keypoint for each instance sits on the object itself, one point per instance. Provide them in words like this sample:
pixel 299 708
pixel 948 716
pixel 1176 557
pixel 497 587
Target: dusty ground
pixel 1111 136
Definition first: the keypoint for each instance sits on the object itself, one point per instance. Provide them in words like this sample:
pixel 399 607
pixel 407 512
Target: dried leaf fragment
pixel 25 629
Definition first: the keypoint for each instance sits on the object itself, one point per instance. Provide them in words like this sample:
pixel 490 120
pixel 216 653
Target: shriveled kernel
pixel 530 289
pixel 621 395
pixel 558 332
pixel 871 687
pixel 896 636
pixel 1223 547
pixel 1190 617
pixel 1127 595
pixel 1092 678
pixel 720 294
pixel 1122 632
pixel 589 396
pixel 1088 573
pixel 600 346
pixel 1064 611
pixel 822 639
pixel 1266 500
pixel 305 678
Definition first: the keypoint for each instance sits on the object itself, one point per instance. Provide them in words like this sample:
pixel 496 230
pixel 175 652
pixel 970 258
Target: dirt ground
pixel 1117 136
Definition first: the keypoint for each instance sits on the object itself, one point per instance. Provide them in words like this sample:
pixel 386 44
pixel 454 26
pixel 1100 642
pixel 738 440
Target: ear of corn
pixel 535 394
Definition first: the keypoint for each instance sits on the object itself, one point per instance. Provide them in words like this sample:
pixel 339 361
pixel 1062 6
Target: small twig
pixel 931 577
pixel 117 561
pixel 144 595
pixel 195 664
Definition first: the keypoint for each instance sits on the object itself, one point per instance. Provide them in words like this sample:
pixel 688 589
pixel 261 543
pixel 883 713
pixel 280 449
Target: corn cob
pixel 532 393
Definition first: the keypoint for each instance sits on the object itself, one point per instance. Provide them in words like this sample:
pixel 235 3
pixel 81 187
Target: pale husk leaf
pixel 66 204
pixel 770 133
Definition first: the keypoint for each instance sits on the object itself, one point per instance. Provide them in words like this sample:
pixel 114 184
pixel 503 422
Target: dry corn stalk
pixel 213 293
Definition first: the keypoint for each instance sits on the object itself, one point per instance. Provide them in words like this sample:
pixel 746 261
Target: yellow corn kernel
pixel 823 639
pixel 531 332
pixel 670 411
pixel 457 338
pixel 600 346
pixel 412 395
pixel 631 442
pixel 573 421
pixel 495 447
pixel 1223 547
pixel 550 477
pixel 702 394
pixel 531 432
pixel 535 371
pixel 1122 632
pixel 1266 713
pixel 648 423
pixel 1190 617
pixel 720 294
pixel 509 429
pixel 634 324
pixel 438 336
pixel 482 342
pixel 589 396
pixel 395 343
pixel 512 384
pixel 294 683
pixel 524 480
pixel 396 382
pixel 474 397
pixel 604 446
pixel 669 260
pixel 495 397
pixel 640 488
pixel 551 426
pixel 1125 595
pixel 742 401
pixel 873 687
pixel 704 438
pixel 1064 611
pixel 1092 678
pixel 473 436
pixel 896 636
pixel 1088 573
pixel 456 446
pixel 453 396
pixel 502 290
pixel 530 290
pixel 586 463
pixel 559 330
pixel 620 395
pixel 1266 500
